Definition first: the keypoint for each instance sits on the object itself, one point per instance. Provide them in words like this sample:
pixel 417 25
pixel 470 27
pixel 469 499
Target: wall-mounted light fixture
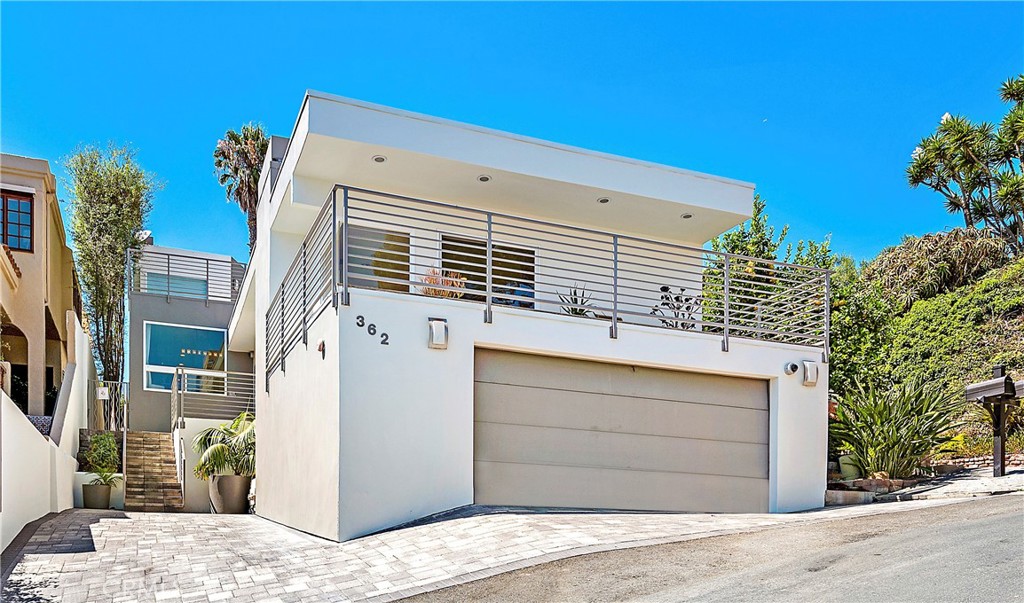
pixel 483 178
pixel 603 200
pixel 379 159
pixel 686 216
pixel 437 334
pixel 810 373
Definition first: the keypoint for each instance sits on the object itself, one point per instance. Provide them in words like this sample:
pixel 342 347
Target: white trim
pixel 160 368
pixel 508 136
pixel 17 188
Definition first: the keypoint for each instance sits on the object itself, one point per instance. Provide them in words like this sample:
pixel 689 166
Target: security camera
pixel 791 368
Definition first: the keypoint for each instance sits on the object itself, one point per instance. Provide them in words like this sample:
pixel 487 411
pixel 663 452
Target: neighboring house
pixel 442 314
pixel 38 289
pixel 179 306
pixel 48 368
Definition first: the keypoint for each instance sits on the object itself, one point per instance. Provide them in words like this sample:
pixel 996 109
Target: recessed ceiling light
pixel 603 200
pixel 686 216
pixel 379 158
pixel 483 178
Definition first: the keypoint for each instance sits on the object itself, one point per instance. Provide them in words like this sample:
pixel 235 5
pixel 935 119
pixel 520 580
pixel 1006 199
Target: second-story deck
pixel 364 239
pixel 176 274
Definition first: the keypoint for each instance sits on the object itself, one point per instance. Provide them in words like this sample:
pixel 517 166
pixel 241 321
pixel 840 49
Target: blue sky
pixel 819 104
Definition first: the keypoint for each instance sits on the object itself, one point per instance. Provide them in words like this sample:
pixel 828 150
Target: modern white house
pixel 443 315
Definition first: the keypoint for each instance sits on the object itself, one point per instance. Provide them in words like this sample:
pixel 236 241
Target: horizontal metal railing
pixel 368 239
pixel 184 276
pixel 203 394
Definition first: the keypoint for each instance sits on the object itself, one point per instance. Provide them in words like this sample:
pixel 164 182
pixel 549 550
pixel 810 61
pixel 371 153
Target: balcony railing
pixel 184 276
pixel 374 240
pixel 203 394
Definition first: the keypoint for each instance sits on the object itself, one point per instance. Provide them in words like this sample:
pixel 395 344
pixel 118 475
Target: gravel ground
pixel 970 551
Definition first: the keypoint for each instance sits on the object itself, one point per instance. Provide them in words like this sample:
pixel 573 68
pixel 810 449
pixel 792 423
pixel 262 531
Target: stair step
pixel 152 473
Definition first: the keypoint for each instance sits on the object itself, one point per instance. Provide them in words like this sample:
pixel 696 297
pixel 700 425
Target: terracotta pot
pixel 229 493
pixel 95 496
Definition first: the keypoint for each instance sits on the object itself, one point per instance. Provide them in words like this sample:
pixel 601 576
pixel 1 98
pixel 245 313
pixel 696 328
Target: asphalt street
pixel 969 551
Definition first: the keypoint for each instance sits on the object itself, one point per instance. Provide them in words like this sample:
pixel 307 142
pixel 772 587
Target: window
pixel 16 221
pixel 512 270
pixel 168 346
pixel 383 254
pixel 173 284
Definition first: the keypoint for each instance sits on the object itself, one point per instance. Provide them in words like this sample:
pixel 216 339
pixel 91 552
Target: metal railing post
pixel 168 279
pixel 827 350
pixel 334 249
pixel 344 248
pixel 488 315
pixel 283 296
pixel 725 306
pixel 304 326
pixel 613 330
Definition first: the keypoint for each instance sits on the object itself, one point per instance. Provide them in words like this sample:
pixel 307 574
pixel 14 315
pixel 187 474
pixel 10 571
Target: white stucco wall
pixel 406 422
pixel 297 436
pixel 26 472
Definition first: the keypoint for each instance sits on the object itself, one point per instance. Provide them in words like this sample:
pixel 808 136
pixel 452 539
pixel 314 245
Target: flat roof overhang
pixel 442 160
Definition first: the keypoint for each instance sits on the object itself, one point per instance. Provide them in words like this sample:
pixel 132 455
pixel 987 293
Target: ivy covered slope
pixel 956 337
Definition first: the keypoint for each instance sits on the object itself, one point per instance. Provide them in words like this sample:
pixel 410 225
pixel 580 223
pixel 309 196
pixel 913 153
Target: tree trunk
pixel 251 219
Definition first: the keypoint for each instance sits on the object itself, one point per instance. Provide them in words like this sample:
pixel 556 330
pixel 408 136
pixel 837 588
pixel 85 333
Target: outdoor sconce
pixel 810 373
pixel 437 334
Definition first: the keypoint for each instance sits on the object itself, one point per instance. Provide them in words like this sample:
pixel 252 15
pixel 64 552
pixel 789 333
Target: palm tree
pixel 238 160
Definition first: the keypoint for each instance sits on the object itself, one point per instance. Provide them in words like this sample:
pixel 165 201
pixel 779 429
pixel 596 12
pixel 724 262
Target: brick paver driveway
pixel 112 556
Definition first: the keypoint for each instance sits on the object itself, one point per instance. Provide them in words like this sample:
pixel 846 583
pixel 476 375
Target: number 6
pixel 371 329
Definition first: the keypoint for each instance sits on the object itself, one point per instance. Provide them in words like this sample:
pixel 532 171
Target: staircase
pixel 151 476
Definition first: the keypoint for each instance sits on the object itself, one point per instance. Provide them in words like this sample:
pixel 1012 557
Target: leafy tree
pixel 977 168
pixel 923 267
pixel 861 333
pixel 238 160
pixel 112 196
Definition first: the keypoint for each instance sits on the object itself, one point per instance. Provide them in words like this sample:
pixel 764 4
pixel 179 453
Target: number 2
pixel 384 339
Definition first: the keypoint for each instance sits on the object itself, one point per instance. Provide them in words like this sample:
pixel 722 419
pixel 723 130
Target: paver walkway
pixel 98 556
pixel 974 482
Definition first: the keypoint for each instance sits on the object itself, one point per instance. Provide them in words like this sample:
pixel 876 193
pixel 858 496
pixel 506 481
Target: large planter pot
pixel 229 493
pixel 95 496
pixel 847 468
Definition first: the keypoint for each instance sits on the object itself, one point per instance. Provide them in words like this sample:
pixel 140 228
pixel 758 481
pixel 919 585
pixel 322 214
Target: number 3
pixel 360 321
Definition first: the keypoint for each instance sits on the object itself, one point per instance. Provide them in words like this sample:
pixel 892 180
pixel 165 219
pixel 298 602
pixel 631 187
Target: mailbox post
pixel 994 395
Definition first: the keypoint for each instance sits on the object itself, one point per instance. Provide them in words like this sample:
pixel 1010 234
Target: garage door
pixel 570 433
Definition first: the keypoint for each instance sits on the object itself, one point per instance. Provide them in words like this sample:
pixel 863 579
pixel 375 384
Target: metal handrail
pixel 206 394
pixel 528 263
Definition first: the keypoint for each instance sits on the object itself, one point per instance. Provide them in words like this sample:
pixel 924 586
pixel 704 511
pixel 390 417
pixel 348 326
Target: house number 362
pixel 371 329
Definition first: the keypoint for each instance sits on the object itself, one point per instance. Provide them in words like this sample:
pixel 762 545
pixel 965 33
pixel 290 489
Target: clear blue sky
pixel 819 104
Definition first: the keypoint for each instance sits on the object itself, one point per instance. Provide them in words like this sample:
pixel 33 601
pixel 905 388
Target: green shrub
pixel 955 338
pixel 103 455
pixel 923 267
pixel 892 430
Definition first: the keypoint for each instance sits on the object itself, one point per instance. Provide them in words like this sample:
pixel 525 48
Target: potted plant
pixel 228 461
pixel 103 460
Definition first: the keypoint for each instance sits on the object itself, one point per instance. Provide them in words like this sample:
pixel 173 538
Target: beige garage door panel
pixel 619 380
pixel 560 432
pixel 523 444
pixel 558 486
pixel 515 404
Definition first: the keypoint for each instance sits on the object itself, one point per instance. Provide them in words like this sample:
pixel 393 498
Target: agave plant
pixel 229 448
pixel 576 301
pixel 891 431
